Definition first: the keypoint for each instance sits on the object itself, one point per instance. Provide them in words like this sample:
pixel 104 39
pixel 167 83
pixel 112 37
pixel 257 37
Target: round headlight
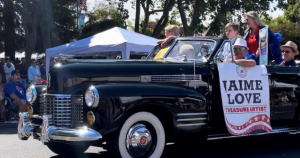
pixel 91 97
pixel 31 94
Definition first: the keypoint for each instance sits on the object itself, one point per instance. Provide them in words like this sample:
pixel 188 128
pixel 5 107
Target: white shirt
pixel 8 70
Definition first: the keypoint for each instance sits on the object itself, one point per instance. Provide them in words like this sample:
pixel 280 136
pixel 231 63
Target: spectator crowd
pixel 15 77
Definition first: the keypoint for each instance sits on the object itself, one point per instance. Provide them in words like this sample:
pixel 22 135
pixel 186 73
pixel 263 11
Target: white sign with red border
pixel 245 98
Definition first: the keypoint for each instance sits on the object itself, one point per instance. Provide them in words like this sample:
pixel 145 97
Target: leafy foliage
pixel 100 26
pixel 292 10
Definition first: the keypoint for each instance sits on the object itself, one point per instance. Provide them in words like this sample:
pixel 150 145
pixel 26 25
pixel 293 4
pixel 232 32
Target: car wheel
pixel 67 149
pixel 142 135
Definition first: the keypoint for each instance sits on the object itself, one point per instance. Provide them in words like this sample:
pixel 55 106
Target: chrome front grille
pixel 64 110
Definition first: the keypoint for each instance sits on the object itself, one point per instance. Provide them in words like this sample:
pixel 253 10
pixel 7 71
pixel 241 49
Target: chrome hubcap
pixel 138 140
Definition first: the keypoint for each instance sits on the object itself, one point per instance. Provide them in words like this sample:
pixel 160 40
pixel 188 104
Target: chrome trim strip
pixel 61 95
pixel 191 114
pixel 192 124
pixel 192 119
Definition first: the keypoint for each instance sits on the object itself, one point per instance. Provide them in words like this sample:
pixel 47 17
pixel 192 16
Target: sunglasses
pixel 285 51
pixel 241 48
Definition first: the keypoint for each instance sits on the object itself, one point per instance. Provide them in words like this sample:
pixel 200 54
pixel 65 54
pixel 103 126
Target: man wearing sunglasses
pixel 241 55
pixel 289 51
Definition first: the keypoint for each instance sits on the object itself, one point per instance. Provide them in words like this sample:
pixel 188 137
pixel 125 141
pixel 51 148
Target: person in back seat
pixel 289 51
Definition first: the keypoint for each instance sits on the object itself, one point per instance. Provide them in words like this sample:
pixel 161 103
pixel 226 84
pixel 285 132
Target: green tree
pixel 292 10
pixel 285 27
pixel 97 27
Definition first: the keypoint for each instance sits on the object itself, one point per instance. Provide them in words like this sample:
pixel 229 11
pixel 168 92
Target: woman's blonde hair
pixel 253 15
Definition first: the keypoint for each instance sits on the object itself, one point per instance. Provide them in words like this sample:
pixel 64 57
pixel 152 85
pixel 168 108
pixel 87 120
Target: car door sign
pixel 245 98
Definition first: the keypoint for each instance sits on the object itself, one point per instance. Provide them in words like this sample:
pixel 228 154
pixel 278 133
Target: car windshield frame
pixel 203 59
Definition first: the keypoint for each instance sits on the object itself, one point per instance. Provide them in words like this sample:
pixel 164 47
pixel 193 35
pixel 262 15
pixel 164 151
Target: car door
pixel 216 114
pixel 284 94
pixel 245 111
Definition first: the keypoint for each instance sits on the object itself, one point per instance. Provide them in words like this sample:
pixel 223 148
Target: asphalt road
pixel 272 146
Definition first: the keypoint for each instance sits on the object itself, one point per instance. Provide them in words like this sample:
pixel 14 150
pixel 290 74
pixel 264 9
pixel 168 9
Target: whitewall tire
pixel 142 135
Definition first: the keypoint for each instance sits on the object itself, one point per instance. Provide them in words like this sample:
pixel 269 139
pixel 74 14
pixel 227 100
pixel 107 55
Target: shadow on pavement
pixel 272 146
pixel 8 128
pixel 103 154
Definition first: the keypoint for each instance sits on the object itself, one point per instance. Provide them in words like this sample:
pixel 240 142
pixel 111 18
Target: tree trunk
pixel 147 15
pixel 137 16
pixel 46 24
pixel 183 17
pixel 30 27
pixel 195 19
pixel 169 4
pixel 8 15
pixel 146 21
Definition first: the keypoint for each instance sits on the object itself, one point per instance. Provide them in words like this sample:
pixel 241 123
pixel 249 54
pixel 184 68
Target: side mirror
pixel 144 57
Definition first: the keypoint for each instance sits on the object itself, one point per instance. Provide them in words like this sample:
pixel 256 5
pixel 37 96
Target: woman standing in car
pixel 255 24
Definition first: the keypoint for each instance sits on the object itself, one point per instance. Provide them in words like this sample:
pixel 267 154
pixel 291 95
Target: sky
pixel 91 3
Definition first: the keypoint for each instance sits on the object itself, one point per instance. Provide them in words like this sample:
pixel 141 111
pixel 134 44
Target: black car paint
pixel 40 88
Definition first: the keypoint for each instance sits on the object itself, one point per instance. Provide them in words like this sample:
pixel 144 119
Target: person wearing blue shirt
pixel 16 91
pixel 241 55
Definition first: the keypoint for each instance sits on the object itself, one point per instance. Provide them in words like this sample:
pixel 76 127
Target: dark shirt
pixel 23 70
pixel 43 71
pixel 18 89
pixel 289 63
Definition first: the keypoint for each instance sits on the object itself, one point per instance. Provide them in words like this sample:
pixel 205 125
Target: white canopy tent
pixel 112 40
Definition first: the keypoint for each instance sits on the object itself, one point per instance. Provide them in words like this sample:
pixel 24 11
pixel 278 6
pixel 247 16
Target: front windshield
pixel 190 50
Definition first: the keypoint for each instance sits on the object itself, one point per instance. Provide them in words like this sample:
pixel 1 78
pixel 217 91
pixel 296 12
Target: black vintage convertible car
pixel 136 107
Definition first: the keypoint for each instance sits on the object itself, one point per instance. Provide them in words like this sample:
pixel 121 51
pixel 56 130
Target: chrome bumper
pixel 48 133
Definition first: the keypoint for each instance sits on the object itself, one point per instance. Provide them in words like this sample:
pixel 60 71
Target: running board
pixel 280 130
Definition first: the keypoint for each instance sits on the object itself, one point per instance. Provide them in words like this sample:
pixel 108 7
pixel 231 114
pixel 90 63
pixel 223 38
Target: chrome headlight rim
pixel 33 92
pixel 95 97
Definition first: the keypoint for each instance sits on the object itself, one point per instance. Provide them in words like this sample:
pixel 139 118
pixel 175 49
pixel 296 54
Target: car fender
pixel 119 100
